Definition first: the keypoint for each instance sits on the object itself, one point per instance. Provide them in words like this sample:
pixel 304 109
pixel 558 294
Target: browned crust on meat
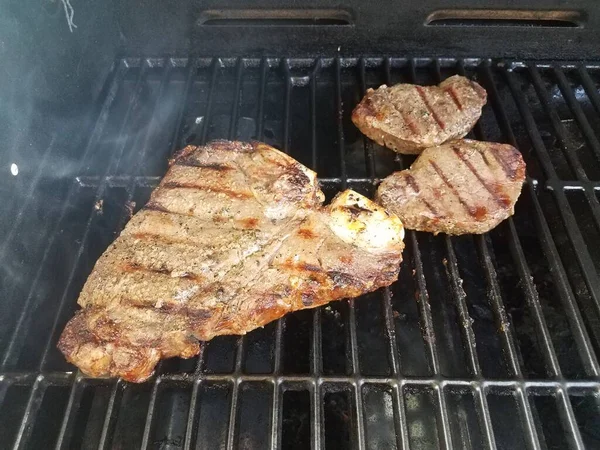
pixel 408 118
pixel 234 237
pixel 458 188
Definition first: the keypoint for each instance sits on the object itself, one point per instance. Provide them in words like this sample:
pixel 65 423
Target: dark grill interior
pixel 484 342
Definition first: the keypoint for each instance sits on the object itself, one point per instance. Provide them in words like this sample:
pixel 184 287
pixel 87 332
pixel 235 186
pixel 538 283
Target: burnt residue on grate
pixel 484 342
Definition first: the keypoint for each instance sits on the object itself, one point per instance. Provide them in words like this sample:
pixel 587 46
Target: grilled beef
pixel 408 118
pixel 234 237
pixel 458 188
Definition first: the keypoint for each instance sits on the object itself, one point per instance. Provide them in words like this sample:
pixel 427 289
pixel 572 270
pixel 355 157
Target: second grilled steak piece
pixel 408 118
pixel 458 188
pixel 234 237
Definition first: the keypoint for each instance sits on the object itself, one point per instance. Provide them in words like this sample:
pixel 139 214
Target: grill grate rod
pixel 584 345
pixel 77 388
pixel 583 256
pixel 565 403
pixel 239 353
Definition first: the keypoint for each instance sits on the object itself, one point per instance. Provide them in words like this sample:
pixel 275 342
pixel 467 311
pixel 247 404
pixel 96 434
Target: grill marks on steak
pixel 235 236
pixel 408 118
pixel 461 187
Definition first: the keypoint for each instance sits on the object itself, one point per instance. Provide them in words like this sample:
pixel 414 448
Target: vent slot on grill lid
pixel 505 18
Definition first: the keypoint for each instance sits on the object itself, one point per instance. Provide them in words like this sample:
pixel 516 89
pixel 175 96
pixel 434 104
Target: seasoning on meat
pixel 408 118
pixel 461 187
pixel 234 237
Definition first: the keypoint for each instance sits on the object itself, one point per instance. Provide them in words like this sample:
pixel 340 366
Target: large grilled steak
pixel 408 118
pixel 234 237
pixel 458 188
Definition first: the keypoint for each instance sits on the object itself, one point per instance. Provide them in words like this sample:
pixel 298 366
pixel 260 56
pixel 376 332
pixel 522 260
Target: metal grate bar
pixel 110 416
pixel 590 88
pixel 189 77
pixel 66 428
pixel 577 325
pixel 9 354
pixel 216 63
pixel 368 145
pixel 115 159
pixel 485 420
pixel 583 257
pixel 191 426
pixel 522 393
pixel 236 103
pixel 588 133
pixel 402 436
pixel 239 354
pixel 515 245
pixel 463 311
pixel 561 132
pixel 286 104
pixel 277 404
pixel 536 386
pixel 575 108
pixel 533 302
pixel 313 113
pixel 33 405
pixel 264 67
pixel 422 294
pixel 532 439
pixel 454 275
pixel 117 390
pixel 568 418
pixel 316 356
pixel 355 363
pixel 150 415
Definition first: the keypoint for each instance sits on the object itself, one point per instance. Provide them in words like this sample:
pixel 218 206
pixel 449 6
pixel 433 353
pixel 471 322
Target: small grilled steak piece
pixel 234 237
pixel 408 118
pixel 458 188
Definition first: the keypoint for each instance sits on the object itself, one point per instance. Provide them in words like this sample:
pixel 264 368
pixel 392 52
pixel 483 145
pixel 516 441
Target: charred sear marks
pixel 430 107
pixel 469 209
pixel 496 193
pixel 206 188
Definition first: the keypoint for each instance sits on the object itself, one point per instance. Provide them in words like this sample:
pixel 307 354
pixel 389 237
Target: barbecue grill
pixel 485 341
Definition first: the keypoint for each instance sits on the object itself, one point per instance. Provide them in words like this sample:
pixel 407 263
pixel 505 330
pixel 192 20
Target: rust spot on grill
pixel 429 106
pixel 306 233
pixel 249 222
pixel 450 90
pixel 211 188
pixel 496 194
pixel 446 181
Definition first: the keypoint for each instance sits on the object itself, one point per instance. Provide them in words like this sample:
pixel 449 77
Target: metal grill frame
pixel 316 383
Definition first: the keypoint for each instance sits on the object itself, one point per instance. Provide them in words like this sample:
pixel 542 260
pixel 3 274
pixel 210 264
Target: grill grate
pixel 485 342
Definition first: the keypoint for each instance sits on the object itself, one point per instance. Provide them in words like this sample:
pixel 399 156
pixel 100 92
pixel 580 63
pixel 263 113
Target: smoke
pixel 69 12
